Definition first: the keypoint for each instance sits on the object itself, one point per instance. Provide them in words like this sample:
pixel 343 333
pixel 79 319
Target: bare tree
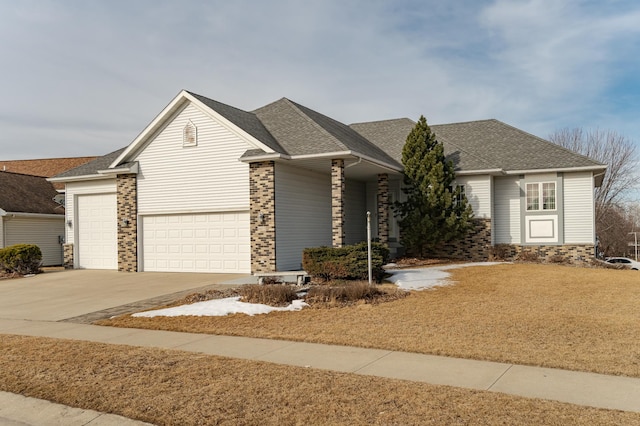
pixel 621 157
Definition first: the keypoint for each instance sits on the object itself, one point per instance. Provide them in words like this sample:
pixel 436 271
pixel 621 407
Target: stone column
pixel 262 213
pixel 383 208
pixel 67 254
pixel 337 202
pixel 127 198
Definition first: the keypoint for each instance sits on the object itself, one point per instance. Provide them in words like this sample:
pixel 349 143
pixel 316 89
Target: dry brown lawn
pixel 544 315
pixel 168 387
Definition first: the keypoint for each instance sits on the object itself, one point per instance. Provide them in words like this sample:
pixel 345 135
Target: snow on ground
pixel 407 279
pixel 220 308
pixel 425 278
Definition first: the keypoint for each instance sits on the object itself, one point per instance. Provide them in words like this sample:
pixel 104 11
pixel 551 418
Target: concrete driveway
pixel 59 295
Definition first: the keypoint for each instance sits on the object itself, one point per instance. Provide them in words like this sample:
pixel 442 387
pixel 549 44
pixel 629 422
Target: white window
pixel 541 196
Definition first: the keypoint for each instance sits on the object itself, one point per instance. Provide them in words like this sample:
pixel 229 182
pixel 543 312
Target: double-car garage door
pixel 207 242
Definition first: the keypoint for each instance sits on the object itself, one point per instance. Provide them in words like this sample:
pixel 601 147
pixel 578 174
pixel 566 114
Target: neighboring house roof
pixel 27 194
pixel 46 167
pixel 480 145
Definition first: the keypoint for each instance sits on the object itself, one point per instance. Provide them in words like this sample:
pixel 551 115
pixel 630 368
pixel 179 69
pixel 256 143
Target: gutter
pixel 77 178
pixel 330 155
pixel 23 214
pixel 562 169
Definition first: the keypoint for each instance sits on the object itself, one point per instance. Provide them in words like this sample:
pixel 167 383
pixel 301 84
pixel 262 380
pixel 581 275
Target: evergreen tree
pixel 434 211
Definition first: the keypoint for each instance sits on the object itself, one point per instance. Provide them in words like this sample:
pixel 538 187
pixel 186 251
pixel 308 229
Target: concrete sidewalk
pixel 589 389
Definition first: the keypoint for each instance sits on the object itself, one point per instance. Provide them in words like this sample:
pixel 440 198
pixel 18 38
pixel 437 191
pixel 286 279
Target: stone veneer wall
pixel 383 208
pixel 127 199
pixel 337 202
pixel 475 246
pixel 262 201
pixel 573 252
pixel 67 256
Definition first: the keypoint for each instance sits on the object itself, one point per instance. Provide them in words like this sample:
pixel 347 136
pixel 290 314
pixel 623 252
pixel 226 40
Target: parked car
pixel 631 264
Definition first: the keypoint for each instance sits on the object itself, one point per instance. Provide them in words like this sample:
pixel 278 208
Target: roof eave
pixel 176 103
pixel 558 169
pixel 40 215
pixel 132 169
pixel 492 172
pixel 78 178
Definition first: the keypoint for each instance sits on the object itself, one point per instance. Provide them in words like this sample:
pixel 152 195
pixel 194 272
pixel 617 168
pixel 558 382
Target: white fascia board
pixel 178 101
pixel 78 178
pixel 347 154
pixel 174 104
pixel 265 157
pixel 492 172
pixel 121 170
pixel 561 170
pixel 228 124
pixel 3 213
pixel 35 215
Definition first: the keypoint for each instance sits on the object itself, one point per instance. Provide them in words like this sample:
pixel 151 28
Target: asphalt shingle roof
pixel 243 119
pixel 27 194
pixel 302 131
pixel 479 145
pixel 91 168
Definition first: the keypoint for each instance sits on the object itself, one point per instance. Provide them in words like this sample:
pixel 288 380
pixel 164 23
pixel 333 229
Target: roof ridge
pixel 381 121
pixel 296 108
pixel 467 122
pixel 218 102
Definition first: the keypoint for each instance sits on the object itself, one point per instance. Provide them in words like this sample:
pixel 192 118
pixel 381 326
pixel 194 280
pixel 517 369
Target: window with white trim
pixel 541 196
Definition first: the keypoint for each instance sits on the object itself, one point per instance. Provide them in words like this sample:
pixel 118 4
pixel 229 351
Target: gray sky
pixel 85 77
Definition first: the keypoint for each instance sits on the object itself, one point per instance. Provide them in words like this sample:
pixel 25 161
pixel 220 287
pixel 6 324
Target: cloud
pixel 87 77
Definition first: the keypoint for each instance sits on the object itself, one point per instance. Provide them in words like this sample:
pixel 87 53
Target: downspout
pixel 4 231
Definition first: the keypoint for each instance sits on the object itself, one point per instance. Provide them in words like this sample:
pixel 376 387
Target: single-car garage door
pixel 208 242
pixel 97 231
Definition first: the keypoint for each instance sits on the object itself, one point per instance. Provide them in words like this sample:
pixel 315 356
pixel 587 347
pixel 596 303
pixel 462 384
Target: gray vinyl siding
pixel 303 214
pixel 506 220
pixel 43 232
pixel 478 192
pixel 578 208
pixel 207 177
pixel 355 212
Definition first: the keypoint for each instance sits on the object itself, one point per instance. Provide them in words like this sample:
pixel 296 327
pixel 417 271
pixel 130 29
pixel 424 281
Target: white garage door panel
pixel 208 242
pixel 97 231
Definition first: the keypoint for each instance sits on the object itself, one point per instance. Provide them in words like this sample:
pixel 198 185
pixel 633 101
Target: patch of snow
pixel 425 278
pixel 220 308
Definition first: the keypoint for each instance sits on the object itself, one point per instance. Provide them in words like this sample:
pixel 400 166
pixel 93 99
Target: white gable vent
pixel 190 134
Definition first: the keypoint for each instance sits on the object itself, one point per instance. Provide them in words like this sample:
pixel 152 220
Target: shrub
pixel 528 256
pixel 559 259
pixel 21 258
pixel 269 294
pixel 501 252
pixel 350 292
pixel 348 262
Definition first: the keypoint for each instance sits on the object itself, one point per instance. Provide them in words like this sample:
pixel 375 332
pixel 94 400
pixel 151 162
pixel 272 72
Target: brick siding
pixel 67 250
pixel 337 202
pixel 127 199
pixel 262 216
pixel 383 208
